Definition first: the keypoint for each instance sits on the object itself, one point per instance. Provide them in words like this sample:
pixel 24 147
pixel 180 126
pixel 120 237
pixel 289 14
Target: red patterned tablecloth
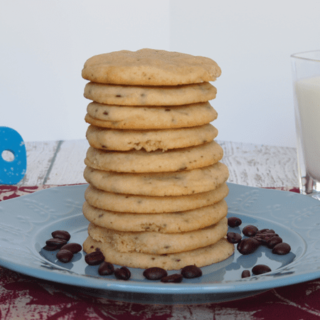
pixel 23 297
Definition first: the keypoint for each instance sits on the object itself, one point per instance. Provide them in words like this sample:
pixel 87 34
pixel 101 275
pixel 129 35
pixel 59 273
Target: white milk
pixel 308 96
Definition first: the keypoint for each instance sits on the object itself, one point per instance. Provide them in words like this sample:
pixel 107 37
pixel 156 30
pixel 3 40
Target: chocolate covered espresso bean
pixel 266 231
pixel 234 222
pixel 94 258
pixel 56 242
pixel 247 246
pixel 250 230
pixel 174 278
pixel 64 256
pixel 122 273
pixel 191 272
pixel 245 274
pixel 106 268
pixel 73 247
pixel 61 234
pixel 273 242
pixel 260 269
pixel 281 248
pixel 155 273
pixel 264 238
pixel 233 237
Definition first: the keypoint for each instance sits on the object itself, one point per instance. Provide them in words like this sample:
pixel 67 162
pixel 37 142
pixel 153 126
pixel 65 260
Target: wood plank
pixel 69 164
pixel 260 165
pixel 39 159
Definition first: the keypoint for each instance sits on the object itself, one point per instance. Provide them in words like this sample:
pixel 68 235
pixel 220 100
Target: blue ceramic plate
pixel 27 222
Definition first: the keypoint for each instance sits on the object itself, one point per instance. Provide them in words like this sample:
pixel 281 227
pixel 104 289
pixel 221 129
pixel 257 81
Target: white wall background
pixel 44 44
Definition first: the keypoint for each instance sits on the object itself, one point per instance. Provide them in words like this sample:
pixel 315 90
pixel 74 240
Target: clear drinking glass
pixel 306 83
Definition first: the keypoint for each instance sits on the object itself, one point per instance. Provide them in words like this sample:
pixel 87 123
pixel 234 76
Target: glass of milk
pixel 306 82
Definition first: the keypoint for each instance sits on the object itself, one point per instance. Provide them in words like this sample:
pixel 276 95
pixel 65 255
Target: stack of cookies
pixel 157 188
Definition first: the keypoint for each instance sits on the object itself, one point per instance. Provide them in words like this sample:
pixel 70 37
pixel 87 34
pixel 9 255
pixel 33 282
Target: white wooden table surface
pixel 62 162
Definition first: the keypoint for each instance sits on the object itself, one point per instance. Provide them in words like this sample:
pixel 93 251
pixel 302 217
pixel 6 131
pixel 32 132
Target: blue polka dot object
pixel 12 171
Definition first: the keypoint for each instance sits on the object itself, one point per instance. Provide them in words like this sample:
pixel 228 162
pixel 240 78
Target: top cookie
pixel 150 67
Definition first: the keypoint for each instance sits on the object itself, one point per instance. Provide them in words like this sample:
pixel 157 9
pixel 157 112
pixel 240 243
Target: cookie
pixel 149 96
pixel 150 67
pixel 143 204
pixel 159 184
pixel 174 261
pixel 157 161
pixel 159 243
pixel 172 222
pixel 137 117
pixel 151 140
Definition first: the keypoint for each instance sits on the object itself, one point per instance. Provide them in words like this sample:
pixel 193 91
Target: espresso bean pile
pixel 106 268
pixel 256 238
pixel 188 272
pixel 60 240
